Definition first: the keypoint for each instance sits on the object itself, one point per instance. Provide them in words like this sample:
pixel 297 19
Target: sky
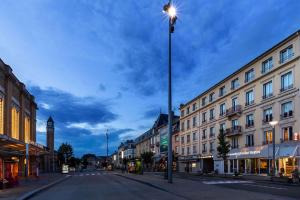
pixel 97 65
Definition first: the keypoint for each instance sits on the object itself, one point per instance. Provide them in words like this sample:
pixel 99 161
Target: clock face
pixel 49 123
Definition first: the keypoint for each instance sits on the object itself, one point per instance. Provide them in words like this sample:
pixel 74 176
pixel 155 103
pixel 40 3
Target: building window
pixel 211 97
pixel 204 117
pixel 234 84
pixel 177 138
pixel 15 118
pixel 234 123
pixel 222 109
pixel 194 106
pixel 177 149
pixel 182 126
pixel 204 148
pixel 249 75
pixel 234 143
pixel 188 138
pixel 286 54
pixel 194 136
pixel 249 140
pixel 203 134
pixel 267 90
pixel 194 149
pixel 222 127
pixel 188 151
pixel 249 98
pixel 212 132
pixel 1 115
pixel 211 147
pixel 286 81
pixel 222 91
pixel 203 101
pixel 27 129
pixel 182 140
pixel 286 110
pixel 268 137
pixel 287 133
pixel 211 114
pixel 194 121
pixel 249 121
pixel 268 115
pixel 188 124
pixel 182 150
pixel 188 110
pixel 182 113
pixel 267 65
pixel 234 103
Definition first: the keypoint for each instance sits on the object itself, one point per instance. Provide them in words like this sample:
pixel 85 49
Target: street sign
pixel 164 141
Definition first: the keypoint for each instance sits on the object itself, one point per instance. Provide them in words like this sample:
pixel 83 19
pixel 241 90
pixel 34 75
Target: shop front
pixel 258 160
pixel 18 159
pixel 189 164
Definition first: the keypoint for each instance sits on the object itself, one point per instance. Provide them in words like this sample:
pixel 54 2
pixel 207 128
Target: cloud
pixel 152 113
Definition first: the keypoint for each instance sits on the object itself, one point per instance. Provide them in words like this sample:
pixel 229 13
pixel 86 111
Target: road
pixel 109 186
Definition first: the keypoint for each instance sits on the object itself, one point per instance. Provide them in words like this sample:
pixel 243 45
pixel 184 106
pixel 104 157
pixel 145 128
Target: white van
pixel 65 169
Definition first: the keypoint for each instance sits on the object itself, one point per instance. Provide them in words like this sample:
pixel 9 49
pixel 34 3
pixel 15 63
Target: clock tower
pixel 50 143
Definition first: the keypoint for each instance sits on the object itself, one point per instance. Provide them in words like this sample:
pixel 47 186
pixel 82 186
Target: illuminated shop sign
pixel 244 153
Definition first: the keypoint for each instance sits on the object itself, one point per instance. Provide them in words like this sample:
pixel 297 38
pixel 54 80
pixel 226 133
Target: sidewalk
pixel 27 185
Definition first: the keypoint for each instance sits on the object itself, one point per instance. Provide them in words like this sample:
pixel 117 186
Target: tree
pixel 64 153
pixel 74 162
pixel 147 157
pixel 84 158
pixel 223 148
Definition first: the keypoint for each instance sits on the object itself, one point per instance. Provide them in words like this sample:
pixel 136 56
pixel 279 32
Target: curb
pixel 34 192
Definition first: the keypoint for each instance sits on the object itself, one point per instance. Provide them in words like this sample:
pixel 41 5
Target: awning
pixel 291 149
pixel 10 147
pixel 288 150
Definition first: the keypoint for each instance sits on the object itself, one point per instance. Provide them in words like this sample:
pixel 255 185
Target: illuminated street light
pixel 171 12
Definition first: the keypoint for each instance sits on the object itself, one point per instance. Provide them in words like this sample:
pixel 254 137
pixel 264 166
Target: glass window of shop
pixel 27 129
pixel 287 133
pixel 268 137
pixel 1 114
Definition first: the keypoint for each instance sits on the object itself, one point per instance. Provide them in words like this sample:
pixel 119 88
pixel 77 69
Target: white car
pixel 65 169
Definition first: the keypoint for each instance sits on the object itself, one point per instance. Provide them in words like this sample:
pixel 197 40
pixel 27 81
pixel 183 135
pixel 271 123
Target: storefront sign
pixel 164 141
pixel 244 153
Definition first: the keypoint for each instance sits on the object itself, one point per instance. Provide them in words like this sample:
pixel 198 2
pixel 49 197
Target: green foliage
pixel 74 162
pixel 64 153
pixel 147 157
pixel 224 146
pixel 85 157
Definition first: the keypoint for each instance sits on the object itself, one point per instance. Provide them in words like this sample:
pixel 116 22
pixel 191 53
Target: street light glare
pixel 172 11
pixel 273 123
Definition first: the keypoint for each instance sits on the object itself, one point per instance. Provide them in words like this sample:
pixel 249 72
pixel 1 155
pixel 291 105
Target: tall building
pixel 19 152
pixel 266 89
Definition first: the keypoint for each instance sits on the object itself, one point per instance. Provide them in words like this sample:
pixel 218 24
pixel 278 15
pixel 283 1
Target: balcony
pixel 249 145
pixel 233 131
pixel 250 124
pixel 285 59
pixel 286 115
pixel 236 110
pixel 204 151
pixel 249 103
pixel 267 96
pixel 235 146
pixel 211 135
pixel 211 118
pixel 284 88
pixel 267 119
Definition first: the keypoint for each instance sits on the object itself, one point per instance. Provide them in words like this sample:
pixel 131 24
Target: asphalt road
pixel 107 186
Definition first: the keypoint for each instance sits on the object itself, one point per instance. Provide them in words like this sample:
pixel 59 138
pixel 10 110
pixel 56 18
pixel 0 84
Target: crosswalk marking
pixel 92 174
pixel 225 182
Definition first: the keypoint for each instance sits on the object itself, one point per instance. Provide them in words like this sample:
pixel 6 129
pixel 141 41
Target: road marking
pixel 93 174
pixel 225 182
pixel 264 186
pixel 81 175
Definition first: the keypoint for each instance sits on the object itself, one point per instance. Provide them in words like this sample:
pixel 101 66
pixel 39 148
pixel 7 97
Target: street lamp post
pixel 170 10
pixel 106 147
pixel 273 124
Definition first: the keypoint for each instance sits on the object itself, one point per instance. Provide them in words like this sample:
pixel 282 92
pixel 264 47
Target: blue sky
pixel 97 65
